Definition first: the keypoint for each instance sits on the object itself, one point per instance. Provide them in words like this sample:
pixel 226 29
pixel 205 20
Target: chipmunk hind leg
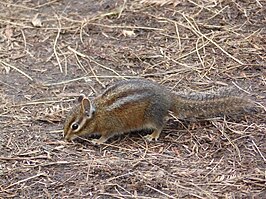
pixel 155 135
pixel 156 125
pixel 156 114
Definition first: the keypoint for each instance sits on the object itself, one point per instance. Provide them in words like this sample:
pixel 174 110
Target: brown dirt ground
pixel 52 50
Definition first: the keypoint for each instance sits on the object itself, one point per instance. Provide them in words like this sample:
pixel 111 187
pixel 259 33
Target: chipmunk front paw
pixel 95 142
pixel 99 141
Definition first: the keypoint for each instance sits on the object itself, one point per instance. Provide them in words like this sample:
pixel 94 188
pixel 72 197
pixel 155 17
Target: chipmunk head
pixel 77 122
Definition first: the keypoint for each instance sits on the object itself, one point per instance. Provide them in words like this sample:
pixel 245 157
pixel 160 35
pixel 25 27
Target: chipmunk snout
pixel 69 137
pixel 66 136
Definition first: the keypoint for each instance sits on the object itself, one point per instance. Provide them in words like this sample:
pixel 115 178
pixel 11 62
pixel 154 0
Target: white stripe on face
pixel 81 124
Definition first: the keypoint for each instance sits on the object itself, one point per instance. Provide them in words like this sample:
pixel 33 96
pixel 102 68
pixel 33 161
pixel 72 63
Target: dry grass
pixel 51 51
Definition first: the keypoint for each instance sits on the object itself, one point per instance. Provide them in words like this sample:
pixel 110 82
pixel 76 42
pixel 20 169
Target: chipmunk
pixel 138 104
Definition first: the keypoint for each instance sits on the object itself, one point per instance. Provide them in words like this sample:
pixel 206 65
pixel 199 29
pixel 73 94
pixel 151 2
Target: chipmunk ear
pixel 81 97
pixel 87 107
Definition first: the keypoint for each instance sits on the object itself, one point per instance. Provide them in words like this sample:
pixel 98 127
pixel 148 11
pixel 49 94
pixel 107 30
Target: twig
pixel 24 180
pixel 264 159
pixel 15 68
pixel 87 79
pixel 24 38
pixel 17 6
pixel 79 63
pixel 168 196
pixel 55 43
pixel 222 131
pixel 193 51
pixel 41 102
pixel 105 67
pixel 45 4
pixel 198 53
pixel 97 79
pixel 178 37
pixel 83 68
pixel 127 27
pixel 24 158
pixel 258 2
pixel 241 88
pixel 199 33
pixel 90 59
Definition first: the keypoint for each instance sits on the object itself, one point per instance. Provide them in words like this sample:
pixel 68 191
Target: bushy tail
pixel 211 104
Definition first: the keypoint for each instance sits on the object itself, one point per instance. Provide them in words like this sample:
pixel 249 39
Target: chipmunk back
pixel 141 104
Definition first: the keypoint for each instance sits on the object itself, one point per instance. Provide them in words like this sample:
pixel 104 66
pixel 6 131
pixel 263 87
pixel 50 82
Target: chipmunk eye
pixel 75 126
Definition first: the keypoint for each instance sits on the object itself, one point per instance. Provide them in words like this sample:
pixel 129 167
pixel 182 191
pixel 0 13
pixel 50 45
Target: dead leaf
pixel 8 32
pixel 128 33
pixel 243 74
pixel 36 21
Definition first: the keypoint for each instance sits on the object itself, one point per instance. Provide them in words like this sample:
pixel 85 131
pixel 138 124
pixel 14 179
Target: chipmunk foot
pixel 155 135
pixel 99 141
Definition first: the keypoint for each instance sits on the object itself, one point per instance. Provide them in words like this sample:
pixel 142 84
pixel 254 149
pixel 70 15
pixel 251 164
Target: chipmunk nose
pixel 69 137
